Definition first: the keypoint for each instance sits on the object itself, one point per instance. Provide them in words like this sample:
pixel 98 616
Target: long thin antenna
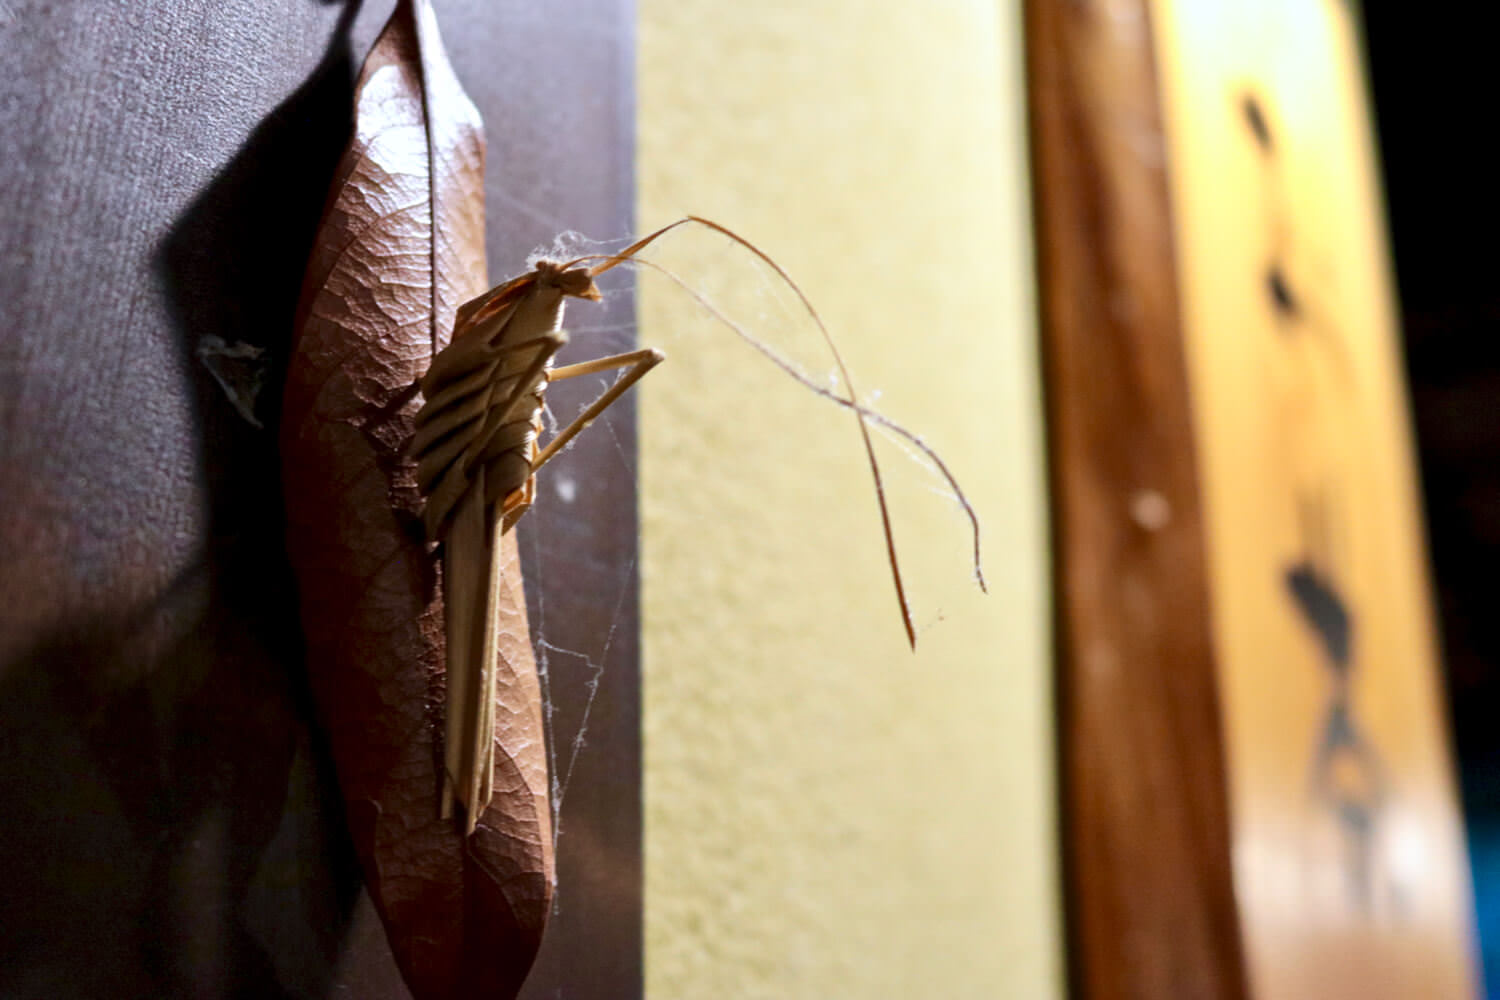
pixel 862 414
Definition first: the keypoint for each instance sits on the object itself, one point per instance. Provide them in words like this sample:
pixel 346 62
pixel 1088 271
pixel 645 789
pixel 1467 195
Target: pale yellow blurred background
pixel 827 814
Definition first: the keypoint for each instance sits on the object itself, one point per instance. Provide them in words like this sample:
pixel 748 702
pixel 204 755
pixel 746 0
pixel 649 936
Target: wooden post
pixel 1146 827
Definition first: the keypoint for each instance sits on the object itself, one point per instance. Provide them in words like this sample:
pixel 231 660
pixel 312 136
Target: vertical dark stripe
pixel 1150 898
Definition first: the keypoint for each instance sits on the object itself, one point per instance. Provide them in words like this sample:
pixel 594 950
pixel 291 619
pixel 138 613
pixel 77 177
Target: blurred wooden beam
pixel 1150 896
pixel 1351 875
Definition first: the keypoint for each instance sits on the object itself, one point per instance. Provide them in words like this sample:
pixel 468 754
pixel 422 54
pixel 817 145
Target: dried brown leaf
pixel 401 245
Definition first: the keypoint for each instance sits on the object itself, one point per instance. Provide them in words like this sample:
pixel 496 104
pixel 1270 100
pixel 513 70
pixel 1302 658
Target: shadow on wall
pixel 174 831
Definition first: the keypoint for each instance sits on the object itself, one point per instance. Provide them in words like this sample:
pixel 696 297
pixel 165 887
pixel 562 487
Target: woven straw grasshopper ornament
pixel 477 458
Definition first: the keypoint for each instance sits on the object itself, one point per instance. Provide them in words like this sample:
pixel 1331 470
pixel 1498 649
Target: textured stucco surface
pixel 827 814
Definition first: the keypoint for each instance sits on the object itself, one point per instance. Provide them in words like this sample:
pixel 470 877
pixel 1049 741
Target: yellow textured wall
pixel 828 815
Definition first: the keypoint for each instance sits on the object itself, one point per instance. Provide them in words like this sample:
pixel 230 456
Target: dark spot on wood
pixel 1255 119
pixel 1324 610
pixel 1347 774
pixel 1280 291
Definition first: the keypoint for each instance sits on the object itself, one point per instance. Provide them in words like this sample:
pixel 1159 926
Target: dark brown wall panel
pixel 167 819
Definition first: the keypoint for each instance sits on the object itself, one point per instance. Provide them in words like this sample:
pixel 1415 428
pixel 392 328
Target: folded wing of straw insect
pixel 476 449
